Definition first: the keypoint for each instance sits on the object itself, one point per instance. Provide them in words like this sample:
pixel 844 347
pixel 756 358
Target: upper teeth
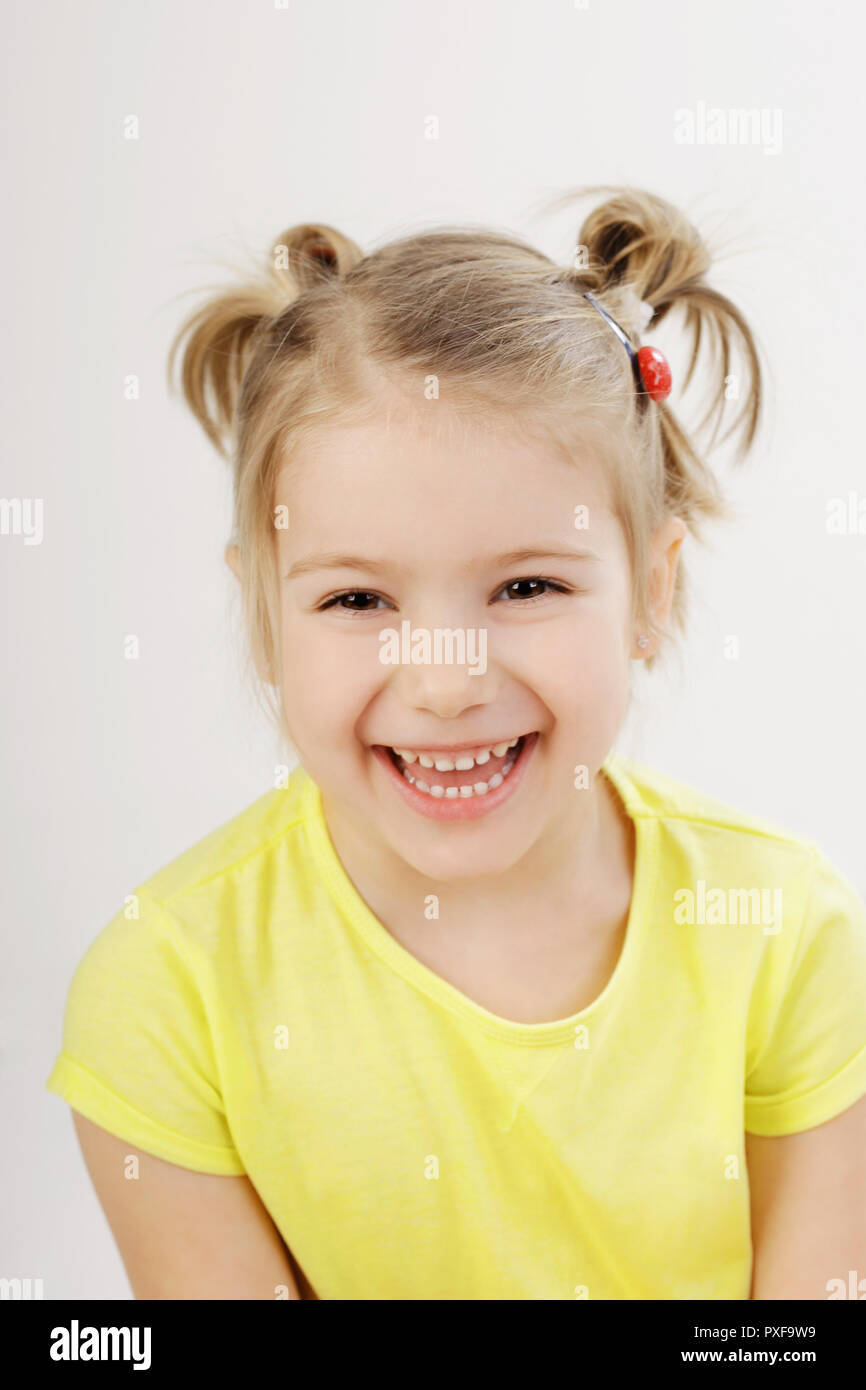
pixel 461 763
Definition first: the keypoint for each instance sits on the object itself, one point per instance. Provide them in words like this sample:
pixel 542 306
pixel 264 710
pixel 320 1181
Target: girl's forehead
pixel 434 511
pixel 400 465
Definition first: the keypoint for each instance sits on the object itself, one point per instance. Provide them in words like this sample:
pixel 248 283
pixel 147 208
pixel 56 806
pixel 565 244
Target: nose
pixel 447 680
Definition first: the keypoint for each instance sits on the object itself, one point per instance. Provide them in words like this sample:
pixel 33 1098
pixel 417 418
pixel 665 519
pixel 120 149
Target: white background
pixel 253 118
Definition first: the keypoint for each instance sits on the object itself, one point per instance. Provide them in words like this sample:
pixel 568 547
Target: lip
pixel 450 747
pixel 457 808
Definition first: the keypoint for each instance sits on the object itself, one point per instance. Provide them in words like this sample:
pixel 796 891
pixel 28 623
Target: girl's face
pixel 393 529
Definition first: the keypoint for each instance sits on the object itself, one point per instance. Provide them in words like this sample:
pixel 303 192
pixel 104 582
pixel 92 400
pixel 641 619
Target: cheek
pixel 328 678
pixel 584 657
pixel 588 690
pixel 588 697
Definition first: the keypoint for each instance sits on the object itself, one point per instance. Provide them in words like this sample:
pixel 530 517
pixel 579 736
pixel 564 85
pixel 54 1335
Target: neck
pixel 576 862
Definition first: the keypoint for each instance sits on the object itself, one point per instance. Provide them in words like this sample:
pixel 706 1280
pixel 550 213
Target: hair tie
pixel 645 315
pixel 650 366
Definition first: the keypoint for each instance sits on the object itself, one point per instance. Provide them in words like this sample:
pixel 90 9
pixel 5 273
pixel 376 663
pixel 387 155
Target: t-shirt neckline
pixel 403 963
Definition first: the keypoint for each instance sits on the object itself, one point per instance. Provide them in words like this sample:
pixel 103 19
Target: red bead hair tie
pixel 650 366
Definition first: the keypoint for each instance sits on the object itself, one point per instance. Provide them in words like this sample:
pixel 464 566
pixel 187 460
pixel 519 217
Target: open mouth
pixel 449 778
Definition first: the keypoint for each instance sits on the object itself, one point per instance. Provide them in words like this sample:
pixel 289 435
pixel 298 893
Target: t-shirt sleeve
pixel 812 1064
pixel 137 1056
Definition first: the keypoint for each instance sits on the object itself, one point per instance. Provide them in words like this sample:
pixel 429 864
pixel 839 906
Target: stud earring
pixel 643 641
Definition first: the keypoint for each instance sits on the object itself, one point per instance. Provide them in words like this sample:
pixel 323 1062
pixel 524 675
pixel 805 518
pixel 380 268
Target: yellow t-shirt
pixel 257 1018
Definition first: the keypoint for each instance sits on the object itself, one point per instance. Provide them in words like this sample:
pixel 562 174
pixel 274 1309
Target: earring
pixel 643 641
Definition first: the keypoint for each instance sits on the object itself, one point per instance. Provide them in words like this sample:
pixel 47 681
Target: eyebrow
pixel 334 560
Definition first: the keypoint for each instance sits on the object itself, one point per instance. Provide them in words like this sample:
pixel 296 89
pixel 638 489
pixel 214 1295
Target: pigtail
pixel 218 340
pixel 638 244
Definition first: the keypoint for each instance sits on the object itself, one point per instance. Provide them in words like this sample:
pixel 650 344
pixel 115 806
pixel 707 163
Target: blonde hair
pixel 317 333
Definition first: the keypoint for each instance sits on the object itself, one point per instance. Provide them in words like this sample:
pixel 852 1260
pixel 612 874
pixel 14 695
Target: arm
pixel 808 1195
pixel 182 1234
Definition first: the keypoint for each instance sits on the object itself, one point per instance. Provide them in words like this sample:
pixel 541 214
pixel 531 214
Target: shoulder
pixel 712 852
pixel 656 793
pixel 702 829
pixel 180 932
pixel 779 927
pixel 240 848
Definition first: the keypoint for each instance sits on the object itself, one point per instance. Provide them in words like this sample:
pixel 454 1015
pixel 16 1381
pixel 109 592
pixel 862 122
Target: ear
pixel 666 544
pixel 233 560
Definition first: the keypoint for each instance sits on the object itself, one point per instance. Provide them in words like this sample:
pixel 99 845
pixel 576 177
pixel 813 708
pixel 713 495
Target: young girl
pixel 471 1006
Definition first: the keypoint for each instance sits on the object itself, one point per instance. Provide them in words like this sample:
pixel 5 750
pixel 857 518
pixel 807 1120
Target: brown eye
pixel 526 598
pixel 525 583
pixel 338 599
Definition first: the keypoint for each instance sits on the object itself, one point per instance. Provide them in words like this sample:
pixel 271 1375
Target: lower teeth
pixel 465 792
